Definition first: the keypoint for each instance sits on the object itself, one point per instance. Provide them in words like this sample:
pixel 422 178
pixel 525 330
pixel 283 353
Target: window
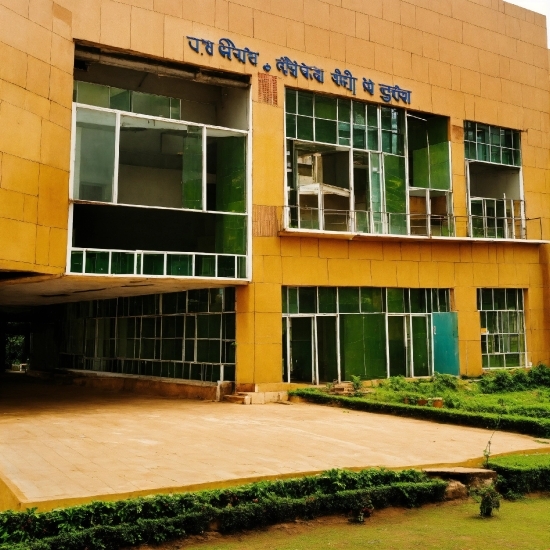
pixel 492 144
pixel 494 182
pixel 332 333
pixel 502 327
pixel 347 168
pixel 185 335
pixel 185 180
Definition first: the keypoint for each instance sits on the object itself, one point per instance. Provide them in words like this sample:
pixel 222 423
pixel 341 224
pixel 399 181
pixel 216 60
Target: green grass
pixel 504 392
pixel 454 526
pixel 530 461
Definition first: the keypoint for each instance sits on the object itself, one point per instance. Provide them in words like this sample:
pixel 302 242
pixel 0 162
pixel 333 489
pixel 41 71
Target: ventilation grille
pixel 267 85
pixel 264 221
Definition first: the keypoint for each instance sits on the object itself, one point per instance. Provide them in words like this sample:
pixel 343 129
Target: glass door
pixel 409 345
pixel 302 350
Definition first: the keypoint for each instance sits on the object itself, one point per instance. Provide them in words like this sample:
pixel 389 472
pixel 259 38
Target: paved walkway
pixel 67 444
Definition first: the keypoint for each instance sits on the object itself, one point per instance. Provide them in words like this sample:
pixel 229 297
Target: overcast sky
pixel 541 6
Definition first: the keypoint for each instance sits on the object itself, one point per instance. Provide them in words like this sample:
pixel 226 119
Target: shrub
pixel 489 500
pixel 521 474
pixel 105 525
pixel 515 380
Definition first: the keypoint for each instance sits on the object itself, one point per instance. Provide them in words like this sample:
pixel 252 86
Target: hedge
pixel 109 525
pixel 521 474
pixel 266 511
pixel 511 423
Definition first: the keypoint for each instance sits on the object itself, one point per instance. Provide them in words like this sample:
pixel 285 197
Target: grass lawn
pixel 451 526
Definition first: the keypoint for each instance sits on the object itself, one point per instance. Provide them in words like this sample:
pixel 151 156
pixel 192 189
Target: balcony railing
pixel 497 219
pixel 484 226
pixel 369 222
pixel 93 261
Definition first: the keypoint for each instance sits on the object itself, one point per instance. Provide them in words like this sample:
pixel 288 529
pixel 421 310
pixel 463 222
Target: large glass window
pixel 429 176
pixel 94 167
pixel 185 335
pixel 332 333
pixel 347 167
pixel 494 178
pixel 502 327
pixel 189 181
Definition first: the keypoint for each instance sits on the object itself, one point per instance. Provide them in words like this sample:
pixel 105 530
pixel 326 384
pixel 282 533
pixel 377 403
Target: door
pixel 445 332
pixel 301 349
pixel 326 349
pixel 397 345
pixel 409 345
pixel 420 346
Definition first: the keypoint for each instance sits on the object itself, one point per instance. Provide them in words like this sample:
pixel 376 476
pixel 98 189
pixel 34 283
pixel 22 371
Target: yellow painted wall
pixel 481 60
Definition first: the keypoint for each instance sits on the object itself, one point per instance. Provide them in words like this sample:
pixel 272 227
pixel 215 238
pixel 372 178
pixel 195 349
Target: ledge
pixel 57 289
pixel 348 236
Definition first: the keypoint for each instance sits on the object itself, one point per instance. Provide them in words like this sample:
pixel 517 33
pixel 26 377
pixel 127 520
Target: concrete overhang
pixel 41 290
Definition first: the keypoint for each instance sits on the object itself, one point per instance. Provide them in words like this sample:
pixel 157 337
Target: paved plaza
pixel 65 444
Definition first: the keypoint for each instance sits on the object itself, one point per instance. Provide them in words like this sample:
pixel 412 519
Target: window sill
pixel 349 236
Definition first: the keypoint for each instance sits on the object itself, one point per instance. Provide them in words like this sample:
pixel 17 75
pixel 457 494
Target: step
pixel 237 399
pixel 258 398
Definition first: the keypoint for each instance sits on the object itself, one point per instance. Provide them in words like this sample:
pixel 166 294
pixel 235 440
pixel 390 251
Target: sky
pixel 540 6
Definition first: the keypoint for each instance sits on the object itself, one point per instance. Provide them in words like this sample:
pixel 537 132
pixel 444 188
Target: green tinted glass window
pixel 372 300
pixel 92 94
pixel 305 103
pixel 290 101
pixel 344 110
pixel 304 128
pixel 348 300
pixel 307 300
pixel 396 300
pixel 120 99
pixel 94 155
pixel 327 300
pixel 325 130
pixel 150 104
pixel 325 107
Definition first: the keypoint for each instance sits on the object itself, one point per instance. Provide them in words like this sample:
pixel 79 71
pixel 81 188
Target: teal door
pixel 445 329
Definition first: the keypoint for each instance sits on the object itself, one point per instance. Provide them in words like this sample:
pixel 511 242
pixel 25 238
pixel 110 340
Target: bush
pixel 489 500
pixel 511 423
pixel 515 380
pixel 106 525
pixel 521 474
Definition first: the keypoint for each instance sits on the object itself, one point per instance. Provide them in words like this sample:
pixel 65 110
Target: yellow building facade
pixel 391 161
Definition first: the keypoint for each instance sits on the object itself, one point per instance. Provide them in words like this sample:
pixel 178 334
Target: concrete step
pixel 345 388
pixel 257 398
pixel 238 399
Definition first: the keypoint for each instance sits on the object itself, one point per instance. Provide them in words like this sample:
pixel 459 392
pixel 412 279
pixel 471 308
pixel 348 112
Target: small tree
pixel 489 500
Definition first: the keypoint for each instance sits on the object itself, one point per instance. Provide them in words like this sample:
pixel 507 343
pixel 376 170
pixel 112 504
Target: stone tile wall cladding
pixel 484 61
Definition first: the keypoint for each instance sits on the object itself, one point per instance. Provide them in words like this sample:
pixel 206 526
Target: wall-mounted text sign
pixel 289 67
pixel 226 48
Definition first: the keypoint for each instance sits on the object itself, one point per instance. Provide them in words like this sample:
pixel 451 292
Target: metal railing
pixel 497 218
pixel 485 226
pixel 96 261
pixel 369 222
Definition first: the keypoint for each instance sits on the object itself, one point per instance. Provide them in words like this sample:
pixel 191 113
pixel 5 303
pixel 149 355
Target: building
pixel 274 192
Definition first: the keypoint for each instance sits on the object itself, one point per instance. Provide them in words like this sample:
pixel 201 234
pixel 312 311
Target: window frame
pixel 521 334
pixel 245 273
pixel 469 198
pixel 385 222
